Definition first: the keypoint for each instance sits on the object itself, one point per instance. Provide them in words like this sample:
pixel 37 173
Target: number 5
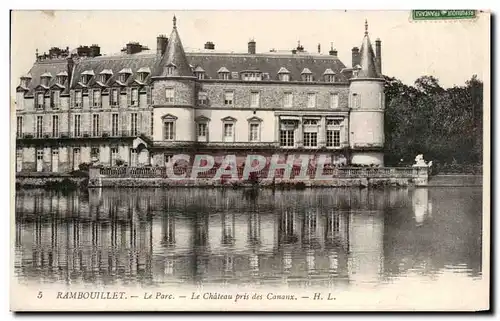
pixel 40 294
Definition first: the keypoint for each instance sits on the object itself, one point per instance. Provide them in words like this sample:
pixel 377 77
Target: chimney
pixel 378 57
pixel 319 48
pixel 161 44
pixel 70 65
pixel 209 45
pixel 95 51
pixel 332 52
pixel 252 47
pixel 356 59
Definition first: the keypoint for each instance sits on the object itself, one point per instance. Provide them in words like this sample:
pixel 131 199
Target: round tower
pixel 366 103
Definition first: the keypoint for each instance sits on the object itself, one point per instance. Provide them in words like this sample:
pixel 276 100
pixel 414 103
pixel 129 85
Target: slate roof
pixel 49 66
pixel 368 67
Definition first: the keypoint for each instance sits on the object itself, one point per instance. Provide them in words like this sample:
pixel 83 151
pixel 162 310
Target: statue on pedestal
pixel 420 162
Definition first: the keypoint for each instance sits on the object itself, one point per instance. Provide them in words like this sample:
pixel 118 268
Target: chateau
pixel 140 108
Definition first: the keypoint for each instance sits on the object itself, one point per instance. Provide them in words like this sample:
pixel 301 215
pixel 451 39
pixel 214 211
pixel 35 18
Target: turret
pixel 366 103
pixel 173 93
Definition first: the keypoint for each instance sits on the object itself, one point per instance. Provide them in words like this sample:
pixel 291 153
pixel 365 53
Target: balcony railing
pixel 81 134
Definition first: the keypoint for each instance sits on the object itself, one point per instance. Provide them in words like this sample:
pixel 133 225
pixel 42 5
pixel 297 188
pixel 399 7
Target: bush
pixel 84 167
pixel 119 162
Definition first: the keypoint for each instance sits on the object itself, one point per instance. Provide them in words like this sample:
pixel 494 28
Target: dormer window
pixel 105 75
pixel 61 78
pixel 329 75
pixel 356 70
pixel 223 73
pixel 143 73
pixel 45 78
pixel 86 76
pixel 199 73
pixel 307 75
pixel 251 76
pixel 40 100
pixel 25 81
pixel 170 69
pixel 284 74
pixel 124 74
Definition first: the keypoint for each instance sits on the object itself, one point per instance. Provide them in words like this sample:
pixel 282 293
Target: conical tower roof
pixel 368 66
pixel 174 56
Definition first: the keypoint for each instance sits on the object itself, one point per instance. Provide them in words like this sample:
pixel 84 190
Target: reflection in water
pixel 324 237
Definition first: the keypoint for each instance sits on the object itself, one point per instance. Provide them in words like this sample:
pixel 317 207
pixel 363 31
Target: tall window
pixel 19 127
pixel 311 100
pixel 114 155
pixel 114 97
pixel 333 129
pixel 288 100
pixel 114 125
pixel 310 133
pixel 76 126
pixel 78 98
pixel 96 98
pixel 287 134
pixel 169 130
pixel 151 124
pixel 135 97
pixel 380 100
pixel 228 98
pixel 169 95
pixel 228 132
pixel 334 101
pixel 133 124
pixel 55 126
pixel 355 101
pixel 39 126
pixel 95 153
pixel 202 98
pixel 254 99
pixel 40 100
pixel 254 132
pixel 54 99
pixel 202 130
pixel 95 125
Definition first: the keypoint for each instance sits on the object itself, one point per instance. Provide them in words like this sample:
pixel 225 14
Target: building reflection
pixel 201 237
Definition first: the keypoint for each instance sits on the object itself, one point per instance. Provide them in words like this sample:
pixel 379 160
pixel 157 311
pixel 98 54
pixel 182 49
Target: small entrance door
pixel 76 159
pixel 114 156
pixel 133 157
pixel 39 160
pixel 55 160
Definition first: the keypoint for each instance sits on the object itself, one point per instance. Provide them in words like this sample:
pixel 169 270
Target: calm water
pixel 311 238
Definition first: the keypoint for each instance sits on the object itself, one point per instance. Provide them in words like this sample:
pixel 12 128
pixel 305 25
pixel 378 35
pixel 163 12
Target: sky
pixel 450 51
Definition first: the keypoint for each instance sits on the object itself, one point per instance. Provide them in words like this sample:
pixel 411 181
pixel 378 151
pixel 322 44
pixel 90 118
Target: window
pixel 202 131
pixel 228 132
pixel 333 138
pixel 94 153
pixel 78 98
pixel 254 132
pixel 169 130
pixel 252 76
pixel 254 99
pixel 329 78
pixel 19 159
pixel 224 75
pixel 310 135
pixel 228 98
pixel 19 127
pixel 170 70
pixel 169 95
pixel 142 76
pixel 40 100
pixel 200 75
pixel 287 133
pixel 311 100
pixel 334 101
pixel 307 77
pixel 123 77
pixel 202 98
pixel 54 99
pixel 114 125
pixel 39 126
pixel 381 100
pixel 284 77
pixel 288 100
pixel 151 124
pixel 55 126
pixel 114 97
pixel 355 103
pixel 95 125
pixel 76 126
pixel 133 124
pixel 96 98
pixel 135 97
pixel 167 158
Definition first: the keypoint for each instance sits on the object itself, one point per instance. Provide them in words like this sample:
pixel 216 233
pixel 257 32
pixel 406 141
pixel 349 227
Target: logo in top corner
pixel 443 14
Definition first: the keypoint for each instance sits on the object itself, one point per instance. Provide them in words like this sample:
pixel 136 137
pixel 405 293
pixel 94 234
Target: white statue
pixel 420 162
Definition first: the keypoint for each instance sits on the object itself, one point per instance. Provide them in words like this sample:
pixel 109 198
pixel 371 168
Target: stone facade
pixel 140 109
